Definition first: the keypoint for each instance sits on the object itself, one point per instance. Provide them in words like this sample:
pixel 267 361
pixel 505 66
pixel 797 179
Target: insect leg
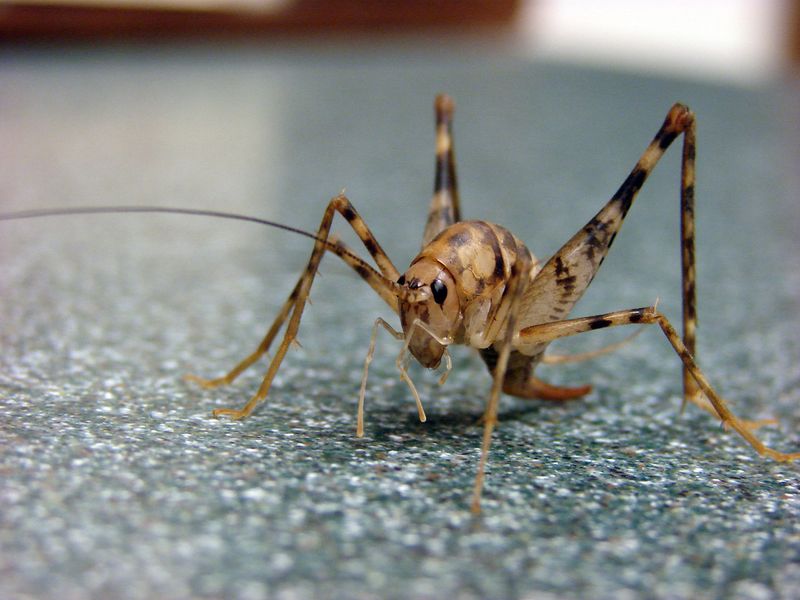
pixel 688 270
pixel 249 360
pixel 517 283
pixel 335 246
pixel 565 277
pixel 544 333
pixel 364 270
pixel 375 281
pixel 297 299
pixel 444 209
pixel 398 335
pixel 560 359
pixel 359 226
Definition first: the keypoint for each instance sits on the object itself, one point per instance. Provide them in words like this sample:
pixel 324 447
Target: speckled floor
pixel 117 483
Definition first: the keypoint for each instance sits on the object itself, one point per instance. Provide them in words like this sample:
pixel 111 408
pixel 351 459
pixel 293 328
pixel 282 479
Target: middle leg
pixel 512 296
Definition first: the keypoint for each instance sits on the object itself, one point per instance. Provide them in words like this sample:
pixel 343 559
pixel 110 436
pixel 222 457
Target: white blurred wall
pixel 740 41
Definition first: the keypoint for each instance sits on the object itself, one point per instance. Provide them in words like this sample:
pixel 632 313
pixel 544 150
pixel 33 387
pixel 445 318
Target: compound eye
pixel 402 280
pixel 439 290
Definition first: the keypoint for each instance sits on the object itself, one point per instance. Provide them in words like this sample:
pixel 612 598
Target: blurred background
pixel 740 40
pixel 115 483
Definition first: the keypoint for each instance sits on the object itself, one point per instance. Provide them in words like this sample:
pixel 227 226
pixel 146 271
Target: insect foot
pixel 206 384
pixel 231 413
pixel 745 428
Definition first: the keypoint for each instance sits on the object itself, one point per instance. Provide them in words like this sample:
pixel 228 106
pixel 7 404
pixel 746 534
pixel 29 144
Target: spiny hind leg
pixel 565 277
pixel 444 208
pixel 537 335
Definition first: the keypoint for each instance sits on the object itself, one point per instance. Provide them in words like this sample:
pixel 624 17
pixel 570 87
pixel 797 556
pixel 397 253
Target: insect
pixel 475 283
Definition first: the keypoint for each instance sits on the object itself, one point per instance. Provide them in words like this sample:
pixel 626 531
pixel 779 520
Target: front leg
pixel 296 301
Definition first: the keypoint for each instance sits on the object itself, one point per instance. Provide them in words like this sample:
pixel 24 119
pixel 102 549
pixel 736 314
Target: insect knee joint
pixel 679 118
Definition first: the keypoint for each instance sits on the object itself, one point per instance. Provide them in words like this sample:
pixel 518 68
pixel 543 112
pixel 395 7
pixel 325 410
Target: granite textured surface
pixel 115 482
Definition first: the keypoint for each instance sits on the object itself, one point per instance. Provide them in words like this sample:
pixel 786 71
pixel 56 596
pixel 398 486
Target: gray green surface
pixel 115 482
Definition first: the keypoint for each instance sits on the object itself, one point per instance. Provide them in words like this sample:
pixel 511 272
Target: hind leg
pixel 444 209
pixel 536 335
pixel 565 277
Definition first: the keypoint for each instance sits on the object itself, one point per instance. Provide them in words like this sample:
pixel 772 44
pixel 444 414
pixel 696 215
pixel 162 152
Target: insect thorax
pixel 466 269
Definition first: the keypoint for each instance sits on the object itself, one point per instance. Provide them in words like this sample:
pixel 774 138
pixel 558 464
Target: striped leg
pixel 565 277
pixel 359 266
pixel 367 273
pixel 688 272
pixel 263 347
pixel 512 296
pixel 295 303
pixel 444 209
pixel 537 335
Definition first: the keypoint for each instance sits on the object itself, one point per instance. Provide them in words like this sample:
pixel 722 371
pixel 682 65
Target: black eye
pixel 402 280
pixel 439 291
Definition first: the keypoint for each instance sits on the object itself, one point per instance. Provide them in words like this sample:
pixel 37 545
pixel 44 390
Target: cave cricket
pixel 474 283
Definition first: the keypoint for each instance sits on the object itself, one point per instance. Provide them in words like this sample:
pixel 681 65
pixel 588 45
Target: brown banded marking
pixel 478 254
pixel 688 268
pixel 444 208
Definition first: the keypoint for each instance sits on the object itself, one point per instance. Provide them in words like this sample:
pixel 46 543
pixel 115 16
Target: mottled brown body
pixel 478 254
pixel 478 257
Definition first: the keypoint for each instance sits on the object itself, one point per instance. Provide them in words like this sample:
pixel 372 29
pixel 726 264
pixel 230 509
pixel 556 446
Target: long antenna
pixel 199 212
pixel 98 210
